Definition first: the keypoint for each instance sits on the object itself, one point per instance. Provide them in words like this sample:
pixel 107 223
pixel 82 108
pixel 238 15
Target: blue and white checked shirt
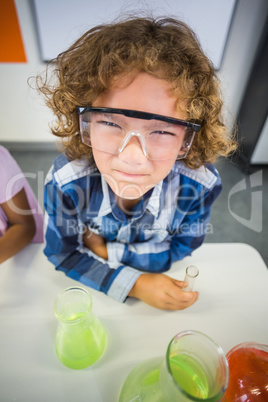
pixel 165 226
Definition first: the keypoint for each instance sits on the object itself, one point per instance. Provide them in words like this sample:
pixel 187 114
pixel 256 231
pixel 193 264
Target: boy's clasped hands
pixel 157 290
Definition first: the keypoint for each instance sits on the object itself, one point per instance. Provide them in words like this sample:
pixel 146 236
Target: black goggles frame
pixel 139 115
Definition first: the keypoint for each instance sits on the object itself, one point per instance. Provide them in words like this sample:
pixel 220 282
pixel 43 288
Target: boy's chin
pixel 129 191
pixel 127 194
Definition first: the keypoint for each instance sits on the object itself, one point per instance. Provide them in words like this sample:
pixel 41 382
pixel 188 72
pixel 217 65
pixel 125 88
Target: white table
pixel 232 308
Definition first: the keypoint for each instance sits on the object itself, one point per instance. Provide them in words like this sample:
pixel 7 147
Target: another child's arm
pixel 21 226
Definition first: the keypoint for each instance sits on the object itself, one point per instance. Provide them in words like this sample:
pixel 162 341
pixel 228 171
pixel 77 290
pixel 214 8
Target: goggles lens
pixel 161 138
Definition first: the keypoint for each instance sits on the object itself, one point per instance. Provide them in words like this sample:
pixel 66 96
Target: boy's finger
pixel 179 283
pixel 179 297
pixel 179 305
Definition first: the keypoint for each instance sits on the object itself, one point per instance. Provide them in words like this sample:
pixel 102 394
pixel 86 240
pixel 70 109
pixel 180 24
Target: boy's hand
pixel 95 243
pixel 162 292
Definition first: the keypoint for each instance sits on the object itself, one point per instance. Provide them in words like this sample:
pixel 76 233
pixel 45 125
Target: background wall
pixel 205 17
pixel 23 116
pixel 24 119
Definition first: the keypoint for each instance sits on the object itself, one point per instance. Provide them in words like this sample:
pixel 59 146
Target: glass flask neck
pixel 72 306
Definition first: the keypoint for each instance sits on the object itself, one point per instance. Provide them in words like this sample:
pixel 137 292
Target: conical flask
pixel 80 338
pixel 194 369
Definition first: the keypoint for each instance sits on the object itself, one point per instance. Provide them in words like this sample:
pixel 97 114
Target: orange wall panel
pixel 11 43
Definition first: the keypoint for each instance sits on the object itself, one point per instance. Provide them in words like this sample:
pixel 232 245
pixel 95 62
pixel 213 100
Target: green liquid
pixel 144 384
pixel 190 375
pixel 80 344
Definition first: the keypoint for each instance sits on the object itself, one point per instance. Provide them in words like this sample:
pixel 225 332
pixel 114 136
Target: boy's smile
pixel 130 174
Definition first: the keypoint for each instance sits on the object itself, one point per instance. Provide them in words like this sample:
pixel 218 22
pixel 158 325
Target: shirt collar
pixel 105 208
pixel 153 205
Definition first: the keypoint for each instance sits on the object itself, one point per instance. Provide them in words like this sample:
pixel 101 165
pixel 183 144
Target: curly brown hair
pixel 163 47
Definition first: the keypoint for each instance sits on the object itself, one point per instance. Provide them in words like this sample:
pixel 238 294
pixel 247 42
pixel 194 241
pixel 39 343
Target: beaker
pixel 248 365
pixel 80 338
pixel 194 369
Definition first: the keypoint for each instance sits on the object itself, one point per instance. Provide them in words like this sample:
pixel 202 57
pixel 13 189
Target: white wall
pixel 206 17
pixel 24 118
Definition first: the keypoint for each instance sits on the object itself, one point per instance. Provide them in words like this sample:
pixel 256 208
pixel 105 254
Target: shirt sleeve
pixel 191 232
pixel 64 248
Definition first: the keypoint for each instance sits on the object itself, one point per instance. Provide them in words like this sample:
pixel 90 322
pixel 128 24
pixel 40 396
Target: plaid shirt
pixel 165 226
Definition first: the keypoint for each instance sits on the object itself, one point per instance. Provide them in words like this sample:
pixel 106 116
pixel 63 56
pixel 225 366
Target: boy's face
pixel 130 174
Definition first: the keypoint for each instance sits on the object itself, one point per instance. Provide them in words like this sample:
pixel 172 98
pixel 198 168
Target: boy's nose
pixel 133 147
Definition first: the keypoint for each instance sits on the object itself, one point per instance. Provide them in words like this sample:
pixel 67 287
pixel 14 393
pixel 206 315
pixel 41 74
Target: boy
pixel 139 113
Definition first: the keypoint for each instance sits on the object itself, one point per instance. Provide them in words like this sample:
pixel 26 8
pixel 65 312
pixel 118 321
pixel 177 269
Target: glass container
pixel 248 365
pixel 80 337
pixel 190 276
pixel 194 369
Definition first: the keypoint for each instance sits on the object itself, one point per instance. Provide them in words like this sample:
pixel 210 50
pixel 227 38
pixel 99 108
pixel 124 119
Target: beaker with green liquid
pixel 194 369
pixel 80 338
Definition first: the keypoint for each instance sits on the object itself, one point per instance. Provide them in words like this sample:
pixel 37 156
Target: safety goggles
pixel 110 130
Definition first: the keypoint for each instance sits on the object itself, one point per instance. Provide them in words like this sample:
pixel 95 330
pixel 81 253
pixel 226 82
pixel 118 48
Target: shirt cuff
pixel 123 283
